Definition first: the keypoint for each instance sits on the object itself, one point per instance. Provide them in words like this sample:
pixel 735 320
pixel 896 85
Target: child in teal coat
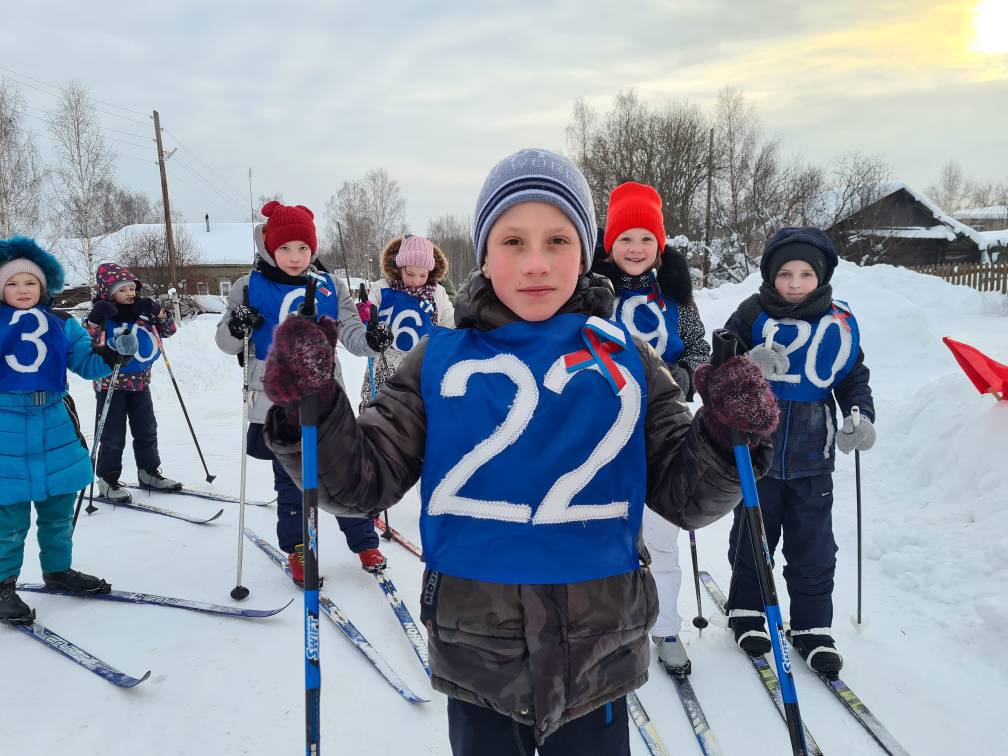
pixel 43 456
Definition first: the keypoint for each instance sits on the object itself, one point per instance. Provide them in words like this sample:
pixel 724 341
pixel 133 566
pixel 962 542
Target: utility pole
pixel 710 186
pixel 164 201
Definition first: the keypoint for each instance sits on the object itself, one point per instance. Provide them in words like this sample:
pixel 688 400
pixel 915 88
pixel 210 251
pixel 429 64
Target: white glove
pixel 124 341
pixel 772 361
pixel 860 437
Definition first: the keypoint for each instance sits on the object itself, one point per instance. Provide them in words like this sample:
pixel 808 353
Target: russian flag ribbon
pixel 655 296
pixel 603 339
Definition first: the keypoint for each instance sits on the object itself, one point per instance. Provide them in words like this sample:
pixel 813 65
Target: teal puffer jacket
pixel 42 452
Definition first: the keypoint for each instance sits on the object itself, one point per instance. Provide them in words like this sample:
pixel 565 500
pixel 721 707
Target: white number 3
pixel 33 337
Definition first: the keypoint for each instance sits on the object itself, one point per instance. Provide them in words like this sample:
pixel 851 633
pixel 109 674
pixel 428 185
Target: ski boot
pixel 113 491
pixel 74 582
pixel 154 480
pixel 372 560
pixel 12 609
pixel 672 655
pixel 295 560
pixel 817 647
pixel 750 631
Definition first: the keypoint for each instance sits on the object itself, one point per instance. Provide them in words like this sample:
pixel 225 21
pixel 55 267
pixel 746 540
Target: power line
pixel 210 200
pixel 58 89
pixel 52 94
pixel 240 192
pixel 210 186
pixel 111 139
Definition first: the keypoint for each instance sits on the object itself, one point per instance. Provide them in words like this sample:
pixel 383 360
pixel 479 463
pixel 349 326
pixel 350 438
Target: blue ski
pixel 645 726
pixel 759 663
pixel 405 619
pixel 78 655
pixel 348 628
pixel 130 597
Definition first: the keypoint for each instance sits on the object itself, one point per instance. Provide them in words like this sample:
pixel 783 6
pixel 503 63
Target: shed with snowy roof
pixel 904 227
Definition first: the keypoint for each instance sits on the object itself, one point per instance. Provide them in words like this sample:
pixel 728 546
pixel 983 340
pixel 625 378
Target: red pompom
pixel 269 207
pixel 307 210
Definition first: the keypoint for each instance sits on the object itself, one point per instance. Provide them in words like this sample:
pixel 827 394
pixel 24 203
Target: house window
pixel 225 287
pixel 202 288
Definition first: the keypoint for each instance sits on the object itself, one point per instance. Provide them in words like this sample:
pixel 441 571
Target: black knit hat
pixel 808 244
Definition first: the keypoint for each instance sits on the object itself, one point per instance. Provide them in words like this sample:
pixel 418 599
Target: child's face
pixel 22 291
pixel 795 280
pixel 125 294
pixel 533 260
pixel 413 276
pixel 635 251
pixel 293 257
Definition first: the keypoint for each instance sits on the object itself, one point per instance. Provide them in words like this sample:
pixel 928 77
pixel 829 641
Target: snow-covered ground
pixel 931 661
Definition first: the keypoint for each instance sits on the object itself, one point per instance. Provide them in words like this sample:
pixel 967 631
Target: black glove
pixel 379 335
pixel 146 307
pixel 243 320
pixel 682 376
pixel 102 310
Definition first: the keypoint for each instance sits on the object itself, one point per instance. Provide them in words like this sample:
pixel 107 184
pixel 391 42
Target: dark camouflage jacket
pixel 541 654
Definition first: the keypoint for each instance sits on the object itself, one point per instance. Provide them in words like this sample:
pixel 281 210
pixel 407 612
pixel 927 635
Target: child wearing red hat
pixel 286 245
pixel 654 300
pixel 410 300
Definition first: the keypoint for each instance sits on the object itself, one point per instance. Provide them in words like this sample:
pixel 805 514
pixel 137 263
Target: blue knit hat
pixel 534 175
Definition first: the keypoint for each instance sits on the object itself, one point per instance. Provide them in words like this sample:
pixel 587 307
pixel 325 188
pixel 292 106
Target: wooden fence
pixel 975 275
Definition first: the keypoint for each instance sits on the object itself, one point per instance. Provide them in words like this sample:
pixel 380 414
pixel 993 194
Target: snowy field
pixel 931 661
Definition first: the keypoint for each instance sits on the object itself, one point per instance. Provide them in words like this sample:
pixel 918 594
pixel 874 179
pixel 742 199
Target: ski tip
pixel 219 513
pixel 126 681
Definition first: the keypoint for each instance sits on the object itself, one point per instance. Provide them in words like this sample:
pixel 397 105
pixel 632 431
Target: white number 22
pixel 555 508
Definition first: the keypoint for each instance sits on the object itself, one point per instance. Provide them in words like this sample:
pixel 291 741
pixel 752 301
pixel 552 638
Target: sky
pixel 308 95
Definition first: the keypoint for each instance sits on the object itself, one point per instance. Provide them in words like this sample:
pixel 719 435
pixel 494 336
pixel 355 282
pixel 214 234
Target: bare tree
pixel 83 170
pixel 145 253
pixel 22 175
pixel 950 193
pixel 257 216
pixel 119 207
pixel 454 235
pixel 368 211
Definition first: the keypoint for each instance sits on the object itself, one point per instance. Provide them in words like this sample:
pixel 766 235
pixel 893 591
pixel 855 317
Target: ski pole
pixel 699 622
pixel 99 428
pixel 856 421
pixel 309 524
pixel 240 592
pixel 387 533
pixel 726 345
pixel 178 393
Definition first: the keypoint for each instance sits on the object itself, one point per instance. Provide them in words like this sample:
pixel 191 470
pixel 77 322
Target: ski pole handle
pixel 307 308
pixel 855 413
pixel 725 345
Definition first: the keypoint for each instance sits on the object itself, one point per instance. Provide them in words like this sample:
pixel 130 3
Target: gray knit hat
pixel 534 175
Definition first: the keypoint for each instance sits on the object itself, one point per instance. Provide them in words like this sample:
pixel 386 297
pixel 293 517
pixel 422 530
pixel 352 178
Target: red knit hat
pixel 287 223
pixel 633 205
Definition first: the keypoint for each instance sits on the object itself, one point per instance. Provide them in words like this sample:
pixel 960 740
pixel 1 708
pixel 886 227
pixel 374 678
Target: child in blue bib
pixel 807 345
pixel 43 458
pixel 538 430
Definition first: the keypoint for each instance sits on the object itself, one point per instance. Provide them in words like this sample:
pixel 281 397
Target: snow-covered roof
pixel 995 238
pixel 927 232
pixel 991 212
pixel 223 244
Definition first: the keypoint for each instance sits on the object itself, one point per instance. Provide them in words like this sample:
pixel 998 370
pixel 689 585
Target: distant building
pixel 991 218
pixel 904 227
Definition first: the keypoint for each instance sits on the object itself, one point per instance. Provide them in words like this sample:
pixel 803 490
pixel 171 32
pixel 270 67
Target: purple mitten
pixel 364 311
pixel 302 362
pixel 736 395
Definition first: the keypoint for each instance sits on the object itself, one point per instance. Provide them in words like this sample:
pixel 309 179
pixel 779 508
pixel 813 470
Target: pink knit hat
pixel 23 265
pixel 415 252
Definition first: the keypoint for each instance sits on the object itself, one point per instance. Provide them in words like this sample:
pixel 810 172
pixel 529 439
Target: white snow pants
pixel 662 539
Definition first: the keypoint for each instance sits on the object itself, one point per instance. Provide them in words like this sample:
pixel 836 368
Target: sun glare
pixel 990 25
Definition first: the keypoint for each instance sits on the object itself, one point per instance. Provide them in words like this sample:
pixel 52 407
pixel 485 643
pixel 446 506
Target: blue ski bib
pixel 34 346
pixel 409 318
pixel 651 318
pixel 275 301
pixel 821 352
pixel 147 351
pixel 534 467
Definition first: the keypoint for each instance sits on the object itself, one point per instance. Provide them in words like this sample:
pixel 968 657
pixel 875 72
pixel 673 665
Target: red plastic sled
pixel 989 376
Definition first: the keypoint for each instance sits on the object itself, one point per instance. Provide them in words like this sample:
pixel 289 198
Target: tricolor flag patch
pixel 604 339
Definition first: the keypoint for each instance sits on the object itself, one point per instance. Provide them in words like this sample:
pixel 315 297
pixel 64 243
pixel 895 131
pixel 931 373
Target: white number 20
pixel 33 338
pixel 555 508
pixel 811 356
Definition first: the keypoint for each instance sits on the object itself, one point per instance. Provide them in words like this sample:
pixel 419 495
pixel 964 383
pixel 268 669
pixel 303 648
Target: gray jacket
pixel 540 654
pixel 351 334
